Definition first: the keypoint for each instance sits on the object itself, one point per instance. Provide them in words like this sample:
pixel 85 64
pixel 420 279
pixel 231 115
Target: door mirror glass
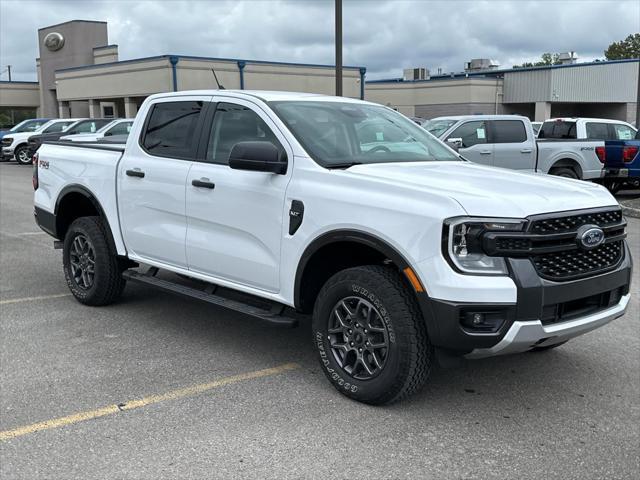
pixel 258 156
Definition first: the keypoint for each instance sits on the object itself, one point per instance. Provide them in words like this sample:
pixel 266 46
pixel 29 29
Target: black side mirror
pixel 258 157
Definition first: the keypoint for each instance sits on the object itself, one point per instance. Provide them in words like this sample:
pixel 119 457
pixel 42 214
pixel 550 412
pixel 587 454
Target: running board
pixel 274 316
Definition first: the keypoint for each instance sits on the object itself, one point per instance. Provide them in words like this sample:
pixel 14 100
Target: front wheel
pixel 370 336
pixel 91 268
pixel 22 155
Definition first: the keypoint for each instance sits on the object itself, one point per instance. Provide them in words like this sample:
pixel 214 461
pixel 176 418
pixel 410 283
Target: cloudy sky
pixel 383 35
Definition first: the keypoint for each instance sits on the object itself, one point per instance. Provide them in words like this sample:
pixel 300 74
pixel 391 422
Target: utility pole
pixel 638 100
pixel 9 70
pixel 338 15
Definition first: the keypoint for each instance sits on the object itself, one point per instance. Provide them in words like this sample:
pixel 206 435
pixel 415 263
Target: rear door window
pixel 509 131
pixel 597 131
pixel 558 129
pixel 171 128
pixel 471 133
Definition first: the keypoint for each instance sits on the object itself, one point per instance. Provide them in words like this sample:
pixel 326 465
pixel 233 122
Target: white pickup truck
pixel 509 141
pixel 285 204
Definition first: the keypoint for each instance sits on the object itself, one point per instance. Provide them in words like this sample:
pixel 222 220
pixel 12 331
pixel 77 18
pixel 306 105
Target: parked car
pixel 621 163
pixel 586 128
pixel 29 125
pixel 401 251
pixel 16 144
pixel 508 141
pixel 121 126
pixel 83 125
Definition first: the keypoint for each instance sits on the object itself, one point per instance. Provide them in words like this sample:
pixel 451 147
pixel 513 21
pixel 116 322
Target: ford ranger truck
pixel 288 205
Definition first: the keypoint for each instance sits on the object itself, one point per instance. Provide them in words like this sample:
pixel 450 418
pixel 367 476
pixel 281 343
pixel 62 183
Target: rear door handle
pixel 526 150
pixel 135 173
pixel 203 183
pixel 485 152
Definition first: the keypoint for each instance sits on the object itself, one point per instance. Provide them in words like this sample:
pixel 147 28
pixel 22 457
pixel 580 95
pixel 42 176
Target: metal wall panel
pixel 527 87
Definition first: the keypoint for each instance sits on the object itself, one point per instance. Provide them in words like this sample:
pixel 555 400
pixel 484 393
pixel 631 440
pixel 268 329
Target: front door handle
pixel 526 150
pixel 485 152
pixel 203 183
pixel 135 173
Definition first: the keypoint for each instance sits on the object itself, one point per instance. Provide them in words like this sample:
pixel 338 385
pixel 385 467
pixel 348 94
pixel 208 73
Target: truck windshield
pixel 341 134
pixel 437 127
pixel 28 126
pixel 558 129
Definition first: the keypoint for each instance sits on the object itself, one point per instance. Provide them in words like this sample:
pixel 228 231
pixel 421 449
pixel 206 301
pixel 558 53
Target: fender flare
pixel 343 235
pixel 81 189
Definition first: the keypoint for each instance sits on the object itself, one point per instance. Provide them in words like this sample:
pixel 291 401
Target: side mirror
pixel 107 134
pixel 258 157
pixel 455 143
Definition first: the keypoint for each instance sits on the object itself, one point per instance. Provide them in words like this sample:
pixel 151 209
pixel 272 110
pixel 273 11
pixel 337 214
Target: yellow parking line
pixel 133 404
pixel 31 299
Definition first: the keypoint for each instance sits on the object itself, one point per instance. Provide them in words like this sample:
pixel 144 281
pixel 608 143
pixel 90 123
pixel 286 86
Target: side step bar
pixel 274 316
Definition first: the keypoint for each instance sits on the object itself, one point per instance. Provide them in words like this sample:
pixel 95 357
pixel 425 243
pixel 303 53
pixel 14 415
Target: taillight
pixel 34 179
pixel 601 153
pixel 629 153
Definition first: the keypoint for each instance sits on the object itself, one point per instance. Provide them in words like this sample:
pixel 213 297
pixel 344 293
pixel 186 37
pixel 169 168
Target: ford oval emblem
pixel 590 237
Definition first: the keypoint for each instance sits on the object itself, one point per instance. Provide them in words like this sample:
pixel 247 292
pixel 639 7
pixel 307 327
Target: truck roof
pixel 481 117
pixel 265 95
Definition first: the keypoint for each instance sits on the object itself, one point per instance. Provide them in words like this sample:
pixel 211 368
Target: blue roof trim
pixel 191 57
pixel 106 46
pixel 494 73
pixel 17 81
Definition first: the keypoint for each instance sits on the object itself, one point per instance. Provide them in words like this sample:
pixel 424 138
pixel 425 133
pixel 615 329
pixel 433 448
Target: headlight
pixel 462 243
pixel 7 140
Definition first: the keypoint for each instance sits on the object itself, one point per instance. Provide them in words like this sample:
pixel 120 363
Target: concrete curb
pixel 630 211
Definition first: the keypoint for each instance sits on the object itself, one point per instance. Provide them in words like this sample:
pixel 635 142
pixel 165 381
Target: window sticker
pixel 480 133
pixel 379 136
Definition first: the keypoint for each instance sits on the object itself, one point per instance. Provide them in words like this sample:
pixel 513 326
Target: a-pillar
pixel 543 111
pixel 94 109
pixel 64 110
pixel 130 107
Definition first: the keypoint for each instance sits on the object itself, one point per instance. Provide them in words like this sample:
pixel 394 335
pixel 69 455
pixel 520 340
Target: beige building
pixel 596 89
pixel 80 74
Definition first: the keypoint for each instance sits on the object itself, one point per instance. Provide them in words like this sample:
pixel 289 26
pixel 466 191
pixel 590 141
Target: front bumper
pixel 7 152
pixel 545 312
pixel 524 335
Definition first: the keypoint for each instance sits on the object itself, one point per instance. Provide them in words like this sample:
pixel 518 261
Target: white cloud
pixel 385 35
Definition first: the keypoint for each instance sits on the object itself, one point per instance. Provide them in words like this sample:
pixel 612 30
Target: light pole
pixel 638 100
pixel 338 15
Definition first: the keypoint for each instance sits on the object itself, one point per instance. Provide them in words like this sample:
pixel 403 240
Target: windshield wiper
pixel 343 165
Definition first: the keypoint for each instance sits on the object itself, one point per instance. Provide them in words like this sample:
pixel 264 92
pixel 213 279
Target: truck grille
pixel 578 263
pixel 551 243
pixel 573 222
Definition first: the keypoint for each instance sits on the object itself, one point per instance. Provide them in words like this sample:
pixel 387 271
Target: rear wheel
pixel 564 172
pixel 614 187
pixel 370 336
pixel 22 155
pixel 91 269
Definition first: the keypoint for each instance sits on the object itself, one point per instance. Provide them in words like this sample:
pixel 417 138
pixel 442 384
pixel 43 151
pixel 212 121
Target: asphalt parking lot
pixel 158 386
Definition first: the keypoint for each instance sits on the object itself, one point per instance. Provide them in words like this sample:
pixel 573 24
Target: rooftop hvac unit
pixel 478 64
pixel 567 58
pixel 410 74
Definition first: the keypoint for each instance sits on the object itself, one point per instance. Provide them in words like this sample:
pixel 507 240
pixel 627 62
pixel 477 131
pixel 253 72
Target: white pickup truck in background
pixel 401 251
pixel 581 128
pixel 509 141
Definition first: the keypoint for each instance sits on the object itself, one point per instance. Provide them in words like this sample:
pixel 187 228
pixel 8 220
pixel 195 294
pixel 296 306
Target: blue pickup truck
pixel 621 160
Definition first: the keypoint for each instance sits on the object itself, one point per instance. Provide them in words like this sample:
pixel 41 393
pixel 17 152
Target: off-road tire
pixel 410 355
pixel 548 347
pixel 564 172
pixel 23 151
pixel 108 283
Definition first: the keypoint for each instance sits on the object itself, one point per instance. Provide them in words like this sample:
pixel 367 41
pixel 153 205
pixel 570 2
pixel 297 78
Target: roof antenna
pixel 220 86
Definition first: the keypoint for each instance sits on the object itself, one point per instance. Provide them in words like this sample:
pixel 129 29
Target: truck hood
pixel 490 191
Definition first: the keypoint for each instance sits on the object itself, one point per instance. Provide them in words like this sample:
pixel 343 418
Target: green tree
pixel 627 48
pixel 545 60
